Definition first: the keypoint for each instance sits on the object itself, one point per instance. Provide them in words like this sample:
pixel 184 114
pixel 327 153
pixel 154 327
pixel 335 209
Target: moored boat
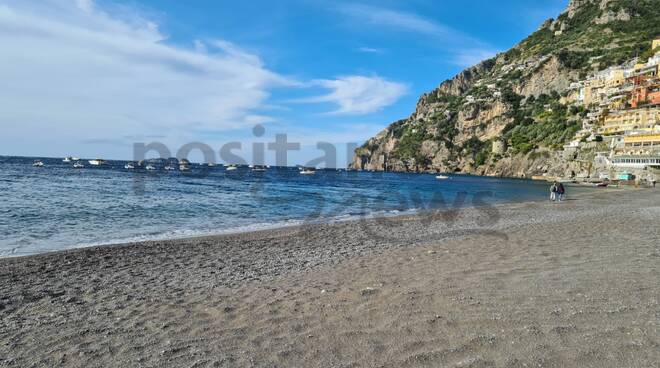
pixel 96 162
pixel 441 177
pixel 307 171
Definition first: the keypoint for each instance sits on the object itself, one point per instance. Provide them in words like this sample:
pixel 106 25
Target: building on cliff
pixel 626 121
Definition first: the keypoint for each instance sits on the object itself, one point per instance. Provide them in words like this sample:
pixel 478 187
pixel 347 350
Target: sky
pixel 90 78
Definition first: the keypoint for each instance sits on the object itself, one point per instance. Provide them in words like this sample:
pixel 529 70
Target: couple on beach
pixel 557 191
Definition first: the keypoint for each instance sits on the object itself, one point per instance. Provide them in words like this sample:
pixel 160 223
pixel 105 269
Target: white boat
pixel 150 167
pixel 96 162
pixel 129 166
pixel 78 165
pixel 67 159
pixel 38 163
pixel 259 168
pixel 184 167
pixel 75 159
pixel 307 171
pixel 210 164
pixel 231 167
pixel 441 177
pixel 169 168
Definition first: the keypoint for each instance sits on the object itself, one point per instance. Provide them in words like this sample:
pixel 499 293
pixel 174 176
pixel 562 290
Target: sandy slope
pixel 575 284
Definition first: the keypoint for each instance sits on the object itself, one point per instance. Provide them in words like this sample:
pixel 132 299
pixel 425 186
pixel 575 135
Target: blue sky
pixel 90 78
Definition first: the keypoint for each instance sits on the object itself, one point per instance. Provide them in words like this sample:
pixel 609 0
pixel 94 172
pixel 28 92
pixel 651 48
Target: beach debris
pixel 368 291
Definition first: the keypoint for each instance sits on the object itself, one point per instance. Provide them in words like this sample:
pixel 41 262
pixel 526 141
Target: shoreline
pixel 283 225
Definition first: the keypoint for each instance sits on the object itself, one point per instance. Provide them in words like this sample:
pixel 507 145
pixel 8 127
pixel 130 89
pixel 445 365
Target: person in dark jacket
pixel 560 192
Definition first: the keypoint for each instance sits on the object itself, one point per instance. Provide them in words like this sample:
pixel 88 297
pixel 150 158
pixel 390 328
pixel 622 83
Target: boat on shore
pixel 96 162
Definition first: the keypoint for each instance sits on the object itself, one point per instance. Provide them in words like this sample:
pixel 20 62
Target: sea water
pixel 58 207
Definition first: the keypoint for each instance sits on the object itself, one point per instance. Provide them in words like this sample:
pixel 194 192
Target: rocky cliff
pixel 508 116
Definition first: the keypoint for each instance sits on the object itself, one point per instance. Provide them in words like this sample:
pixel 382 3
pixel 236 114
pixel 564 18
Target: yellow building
pixel 592 89
pixel 616 78
pixel 628 120
pixel 642 144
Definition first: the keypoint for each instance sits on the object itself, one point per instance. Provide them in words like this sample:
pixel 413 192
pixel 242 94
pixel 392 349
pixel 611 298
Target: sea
pixel 57 206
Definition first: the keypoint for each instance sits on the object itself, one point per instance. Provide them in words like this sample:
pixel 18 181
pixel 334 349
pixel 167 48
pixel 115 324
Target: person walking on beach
pixel 560 192
pixel 553 191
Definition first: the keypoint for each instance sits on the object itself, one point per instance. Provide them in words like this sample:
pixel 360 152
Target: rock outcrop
pixel 455 126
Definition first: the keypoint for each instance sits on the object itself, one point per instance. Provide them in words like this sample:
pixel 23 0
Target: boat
pixel 441 177
pixel 78 165
pixel 75 158
pixel 150 167
pixel 602 185
pixel 129 166
pixel 259 168
pixel 38 163
pixel 67 159
pixel 210 164
pixel 184 167
pixel 307 171
pixel 96 162
pixel 169 168
pixel 231 167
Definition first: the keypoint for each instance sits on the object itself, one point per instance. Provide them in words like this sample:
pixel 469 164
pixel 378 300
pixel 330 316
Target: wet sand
pixel 574 284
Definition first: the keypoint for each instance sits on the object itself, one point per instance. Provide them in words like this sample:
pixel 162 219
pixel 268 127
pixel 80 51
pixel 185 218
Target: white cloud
pixel 469 57
pixel 401 20
pixel 73 72
pixel 463 49
pixel 370 50
pixel 358 94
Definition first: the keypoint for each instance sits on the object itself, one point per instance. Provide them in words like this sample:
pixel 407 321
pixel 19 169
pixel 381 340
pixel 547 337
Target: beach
pixel 535 284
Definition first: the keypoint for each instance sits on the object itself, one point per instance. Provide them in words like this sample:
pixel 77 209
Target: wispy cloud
pixel 370 50
pixel 463 49
pixel 356 95
pixel 469 57
pixel 69 69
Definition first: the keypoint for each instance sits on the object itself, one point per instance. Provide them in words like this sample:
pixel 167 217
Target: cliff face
pixel 507 116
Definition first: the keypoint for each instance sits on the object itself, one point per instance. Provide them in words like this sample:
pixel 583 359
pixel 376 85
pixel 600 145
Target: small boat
pixel 38 163
pixel 96 162
pixel 259 168
pixel 307 171
pixel 67 159
pixel 75 158
pixel 441 177
pixel 150 167
pixel 78 165
pixel 129 166
pixel 169 168
pixel 602 185
pixel 184 167
pixel 210 164
pixel 231 167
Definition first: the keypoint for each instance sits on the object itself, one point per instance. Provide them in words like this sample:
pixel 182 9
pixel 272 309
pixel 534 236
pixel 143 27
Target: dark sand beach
pixel 574 284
